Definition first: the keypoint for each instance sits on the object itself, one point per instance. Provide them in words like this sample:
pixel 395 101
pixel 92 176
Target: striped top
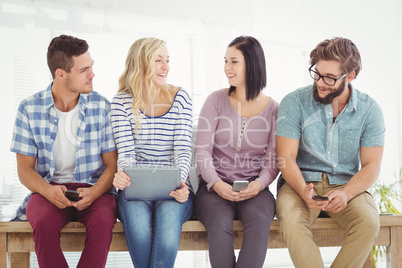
pixel 162 140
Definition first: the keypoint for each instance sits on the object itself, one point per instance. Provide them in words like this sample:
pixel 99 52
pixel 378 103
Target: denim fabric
pixel 326 145
pixel 153 229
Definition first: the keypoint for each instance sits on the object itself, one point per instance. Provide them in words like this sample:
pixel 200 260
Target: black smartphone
pixel 239 185
pixel 72 195
pixel 320 198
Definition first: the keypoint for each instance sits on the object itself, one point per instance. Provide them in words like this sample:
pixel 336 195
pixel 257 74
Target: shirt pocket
pixel 91 140
pixel 349 145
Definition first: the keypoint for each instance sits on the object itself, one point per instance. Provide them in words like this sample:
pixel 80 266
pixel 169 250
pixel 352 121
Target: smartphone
pixel 239 185
pixel 320 198
pixel 72 195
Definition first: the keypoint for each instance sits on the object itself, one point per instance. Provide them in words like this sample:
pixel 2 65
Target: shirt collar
pixel 48 97
pixel 49 101
pixel 352 105
pixel 83 101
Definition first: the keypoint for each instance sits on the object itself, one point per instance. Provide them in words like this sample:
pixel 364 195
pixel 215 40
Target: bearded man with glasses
pixel 330 140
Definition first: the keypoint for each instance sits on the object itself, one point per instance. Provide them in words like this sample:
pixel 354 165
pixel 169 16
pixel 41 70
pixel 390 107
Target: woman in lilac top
pixel 236 141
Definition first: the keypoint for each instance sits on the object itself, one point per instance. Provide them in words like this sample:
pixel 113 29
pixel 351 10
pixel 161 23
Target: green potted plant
pixel 385 196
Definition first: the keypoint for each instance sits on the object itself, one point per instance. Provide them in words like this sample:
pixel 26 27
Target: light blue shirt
pixel 35 131
pixel 327 145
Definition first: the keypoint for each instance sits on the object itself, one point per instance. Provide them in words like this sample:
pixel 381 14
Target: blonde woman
pixel 152 125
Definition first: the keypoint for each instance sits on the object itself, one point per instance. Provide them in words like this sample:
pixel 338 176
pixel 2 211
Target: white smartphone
pixel 239 185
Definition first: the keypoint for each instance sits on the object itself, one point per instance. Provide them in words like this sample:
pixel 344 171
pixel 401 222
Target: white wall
pixel 198 33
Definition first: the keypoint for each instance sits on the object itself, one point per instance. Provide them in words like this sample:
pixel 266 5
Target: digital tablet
pixel 151 183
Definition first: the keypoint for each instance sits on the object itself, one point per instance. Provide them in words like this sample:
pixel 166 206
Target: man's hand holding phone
pixel 72 195
pixel 320 198
pixel 314 201
pixel 56 195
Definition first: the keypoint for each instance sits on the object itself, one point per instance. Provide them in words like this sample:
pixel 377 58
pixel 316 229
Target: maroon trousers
pixel 47 221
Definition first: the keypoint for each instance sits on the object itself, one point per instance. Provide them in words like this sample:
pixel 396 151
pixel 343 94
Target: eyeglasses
pixel 326 79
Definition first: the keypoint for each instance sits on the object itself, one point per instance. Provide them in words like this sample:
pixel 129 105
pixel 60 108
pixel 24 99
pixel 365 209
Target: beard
pixel 73 88
pixel 331 96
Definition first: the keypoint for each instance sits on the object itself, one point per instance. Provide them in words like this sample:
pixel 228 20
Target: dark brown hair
pixel 256 75
pixel 61 51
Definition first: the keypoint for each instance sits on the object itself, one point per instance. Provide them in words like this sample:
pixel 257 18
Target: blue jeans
pixel 162 218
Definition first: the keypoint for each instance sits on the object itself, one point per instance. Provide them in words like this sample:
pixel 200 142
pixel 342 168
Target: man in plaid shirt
pixel 63 141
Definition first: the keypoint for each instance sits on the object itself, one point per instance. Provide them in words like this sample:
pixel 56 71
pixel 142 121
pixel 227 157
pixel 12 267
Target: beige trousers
pixel 360 219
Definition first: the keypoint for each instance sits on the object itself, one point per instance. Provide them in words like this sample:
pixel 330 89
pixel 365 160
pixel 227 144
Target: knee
pixel 102 222
pixel 289 227
pixel 169 240
pixel 44 226
pixel 216 222
pixel 287 221
pixel 260 222
pixel 219 228
pixel 366 226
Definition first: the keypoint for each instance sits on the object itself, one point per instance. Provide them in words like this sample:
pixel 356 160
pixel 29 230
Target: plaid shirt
pixel 35 130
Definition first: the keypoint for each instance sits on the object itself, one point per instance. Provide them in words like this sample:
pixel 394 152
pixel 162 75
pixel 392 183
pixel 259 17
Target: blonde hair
pixel 139 71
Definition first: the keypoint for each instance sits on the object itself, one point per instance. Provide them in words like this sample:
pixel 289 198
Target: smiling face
pixel 235 67
pixel 322 92
pixel 161 68
pixel 79 79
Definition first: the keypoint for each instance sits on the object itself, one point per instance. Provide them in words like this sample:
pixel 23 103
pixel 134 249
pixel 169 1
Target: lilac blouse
pixel 231 147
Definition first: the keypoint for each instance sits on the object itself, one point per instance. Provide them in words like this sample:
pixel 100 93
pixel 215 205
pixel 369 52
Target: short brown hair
pixel 339 49
pixel 61 51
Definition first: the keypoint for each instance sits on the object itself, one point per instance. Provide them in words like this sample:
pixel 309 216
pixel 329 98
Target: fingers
pixel 56 196
pixel 248 193
pixel 121 180
pixel 310 190
pixel 231 195
pixel 81 191
pixel 336 205
pixel 181 195
pixel 64 188
pixel 225 191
